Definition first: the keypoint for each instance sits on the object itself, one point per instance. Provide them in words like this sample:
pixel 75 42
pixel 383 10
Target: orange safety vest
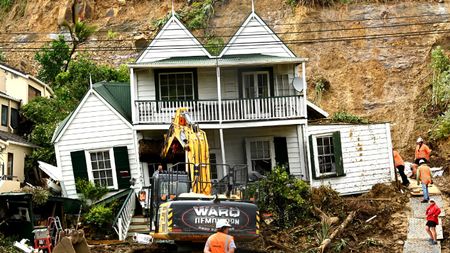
pixel 423 151
pixel 424 174
pixel 398 159
pixel 220 242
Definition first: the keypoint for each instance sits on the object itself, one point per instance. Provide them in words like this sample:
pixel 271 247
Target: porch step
pixel 139 224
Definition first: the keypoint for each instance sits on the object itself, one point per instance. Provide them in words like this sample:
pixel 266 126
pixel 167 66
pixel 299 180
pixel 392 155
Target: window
pixel 4 115
pixel 176 86
pixel 213 165
pixel 255 84
pixel 33 92
pixel 326 155
pixel 284 86
pixel 14 118
pixel 260 154
pixel 10 164
pixel 101 168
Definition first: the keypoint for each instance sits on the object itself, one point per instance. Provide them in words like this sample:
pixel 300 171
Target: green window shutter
pixel 338 154
pixel 79 166
pixel 122 167
pixel 311 153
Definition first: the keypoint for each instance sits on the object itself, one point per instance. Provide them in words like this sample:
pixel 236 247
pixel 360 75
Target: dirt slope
pixel 383 79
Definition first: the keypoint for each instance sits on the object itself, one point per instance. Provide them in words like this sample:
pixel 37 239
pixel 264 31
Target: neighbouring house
pixel 16 89
pixel 250 100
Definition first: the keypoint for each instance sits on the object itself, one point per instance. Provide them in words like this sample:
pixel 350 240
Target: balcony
pixel 233 110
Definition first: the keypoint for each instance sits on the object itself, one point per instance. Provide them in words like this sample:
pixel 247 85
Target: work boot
pixel 433 242
pixel 424 201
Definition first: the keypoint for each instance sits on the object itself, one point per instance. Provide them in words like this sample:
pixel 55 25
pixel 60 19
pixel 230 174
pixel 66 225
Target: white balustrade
pixel 162 112
pixel 123 219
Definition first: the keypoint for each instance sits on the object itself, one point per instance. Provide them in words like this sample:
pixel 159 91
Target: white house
pixel 250 100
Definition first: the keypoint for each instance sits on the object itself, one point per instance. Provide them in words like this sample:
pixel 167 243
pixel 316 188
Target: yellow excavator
pixel 186 204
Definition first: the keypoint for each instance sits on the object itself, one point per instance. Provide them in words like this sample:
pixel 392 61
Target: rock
pixel 110 12
pixel 400 242
pixel 140 42
pixel 65 14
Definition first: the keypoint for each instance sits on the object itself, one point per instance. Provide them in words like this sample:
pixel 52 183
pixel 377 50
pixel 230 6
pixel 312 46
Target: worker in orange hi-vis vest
pixel 220 242
pixel 422 151
pixel 400 165
pixel 424 177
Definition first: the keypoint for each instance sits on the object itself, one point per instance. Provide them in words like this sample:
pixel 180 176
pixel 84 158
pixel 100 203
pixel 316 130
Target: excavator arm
pixel 195 145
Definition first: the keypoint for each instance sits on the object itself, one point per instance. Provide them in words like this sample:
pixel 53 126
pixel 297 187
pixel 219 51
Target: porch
pixel 228 110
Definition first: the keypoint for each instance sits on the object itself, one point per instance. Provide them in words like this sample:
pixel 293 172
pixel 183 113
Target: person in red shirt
pixel 432 214
pixel 400 165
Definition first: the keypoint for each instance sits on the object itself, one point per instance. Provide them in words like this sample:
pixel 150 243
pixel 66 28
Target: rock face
pixel 374 56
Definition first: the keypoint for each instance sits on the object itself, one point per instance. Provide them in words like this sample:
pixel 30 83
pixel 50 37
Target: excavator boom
pixel 195 144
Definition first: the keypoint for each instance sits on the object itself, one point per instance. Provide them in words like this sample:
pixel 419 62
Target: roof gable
pixel 174 40
pixel 255 37
pixel 115 95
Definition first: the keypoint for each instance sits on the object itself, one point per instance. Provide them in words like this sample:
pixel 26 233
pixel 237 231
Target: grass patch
pixel 346 117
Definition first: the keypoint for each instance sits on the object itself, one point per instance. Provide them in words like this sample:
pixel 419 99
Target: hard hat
pixel 432 200
pixel 421 161
pixel 419 139
pixel 222 223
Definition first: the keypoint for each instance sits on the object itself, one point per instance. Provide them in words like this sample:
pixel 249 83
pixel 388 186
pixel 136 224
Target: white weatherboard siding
pixel 145 85
pixel 366 154
pixel 235 144
pixel 207 83
pixel 255 37
pixel 174 40
pixel 95 126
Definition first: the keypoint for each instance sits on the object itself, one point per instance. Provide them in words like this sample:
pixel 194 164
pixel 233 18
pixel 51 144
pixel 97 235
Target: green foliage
pixel 214 45
pixel 99 216
pixel 159 23
pixel 441 127
pixel 294 3
pixel 285 196
pixel 52 59
pixel 198 14
pixel 39 194
pixel 112 35
pixel 6 5
pixel 324 232
pixel 440 97
pixel 340 245
pixel 346 117
pixel 321 85
pixel 89 190
pixel 6 245
pixel 82 32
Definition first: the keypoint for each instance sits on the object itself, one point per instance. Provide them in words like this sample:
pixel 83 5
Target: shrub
pixel 285 196
pixel 198 14
pixel 52 59
pixel 321 85
pixel 99 216
pixel 111 34
pixel 40 195
pixel 440 97
pixel 441 127
pixel 89 190
pixel 214 45
pixel 2 57
pixel 6 245
pixel 345 117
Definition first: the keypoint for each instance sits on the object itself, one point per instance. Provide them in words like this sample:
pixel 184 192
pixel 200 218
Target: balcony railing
pixel 157 112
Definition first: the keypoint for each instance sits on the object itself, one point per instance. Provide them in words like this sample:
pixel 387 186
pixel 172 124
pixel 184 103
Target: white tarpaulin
pixel 52 171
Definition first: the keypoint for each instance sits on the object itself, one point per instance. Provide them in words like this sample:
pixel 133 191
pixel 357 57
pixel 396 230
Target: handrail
pixel 213 100
pixel 123 218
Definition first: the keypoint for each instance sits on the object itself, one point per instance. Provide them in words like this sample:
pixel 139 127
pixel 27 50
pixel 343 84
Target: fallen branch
pixel 325 243
pixel 281 246
pixel 324 217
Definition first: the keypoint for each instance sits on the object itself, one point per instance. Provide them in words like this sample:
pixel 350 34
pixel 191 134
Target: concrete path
pixel 417 240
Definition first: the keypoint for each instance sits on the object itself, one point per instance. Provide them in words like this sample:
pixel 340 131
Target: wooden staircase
pixel 139 224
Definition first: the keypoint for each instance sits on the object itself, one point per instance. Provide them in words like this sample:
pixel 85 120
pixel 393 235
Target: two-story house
pixel 16 89
pixel 251 101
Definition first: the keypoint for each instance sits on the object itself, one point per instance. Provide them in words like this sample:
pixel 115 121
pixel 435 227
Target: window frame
pixel 337 148
pixel 271 81
pixel 249 154
pixel 158 72
pixel 36 93
pixel 10 164
pixel 6 115
pixel 14 122
pixel 282 87
pixel 87 154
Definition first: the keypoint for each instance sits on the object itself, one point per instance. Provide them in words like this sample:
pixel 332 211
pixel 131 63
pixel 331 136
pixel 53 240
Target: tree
pixel 52 59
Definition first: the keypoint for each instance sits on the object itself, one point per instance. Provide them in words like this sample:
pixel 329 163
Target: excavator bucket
pixel 75 242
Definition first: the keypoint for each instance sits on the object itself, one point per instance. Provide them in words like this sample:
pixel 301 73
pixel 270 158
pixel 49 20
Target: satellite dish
pixel 298 83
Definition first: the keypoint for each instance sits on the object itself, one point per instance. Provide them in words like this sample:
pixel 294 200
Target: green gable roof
pixel 117 95
pixel 114 93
